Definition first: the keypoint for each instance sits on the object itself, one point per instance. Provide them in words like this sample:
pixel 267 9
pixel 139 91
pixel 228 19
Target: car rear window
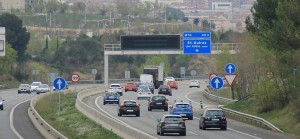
pixel 214 113
pixel 182 105
pixel 112 94
pixel 44 86
pixel 173 118
pixel 158 98
pixel 114 85
pixel 130 83
pixel 35 84
pixel 129 103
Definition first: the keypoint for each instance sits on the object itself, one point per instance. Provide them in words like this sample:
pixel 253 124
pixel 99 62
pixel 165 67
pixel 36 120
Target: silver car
pixel 24 88
pixel 43 88
pixel 194 83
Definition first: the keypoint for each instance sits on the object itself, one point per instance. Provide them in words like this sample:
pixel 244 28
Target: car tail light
pixel 174 109
pixel 164 123
pixel 122 105
pixel 166 102
pixel 120 88
pixel 182 123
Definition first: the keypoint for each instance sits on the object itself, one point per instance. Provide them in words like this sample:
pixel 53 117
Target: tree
pixel 52 6
pixel 7 62
pixel 16 34
pixel 196 21
pixel 79 7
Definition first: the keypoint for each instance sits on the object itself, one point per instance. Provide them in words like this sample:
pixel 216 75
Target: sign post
pixel 59 83
pixel 230 68
pixel 193 73
pixel 2 41
pixel 75 78
pixel 216 83
pixel 94 72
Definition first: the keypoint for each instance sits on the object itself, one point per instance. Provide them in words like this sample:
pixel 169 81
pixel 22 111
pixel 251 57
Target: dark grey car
pixel 171 124
pixel 213 118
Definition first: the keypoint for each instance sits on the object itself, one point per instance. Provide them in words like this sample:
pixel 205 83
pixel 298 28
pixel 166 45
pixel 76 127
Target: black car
pixel 129 107
pixel 111 97
pixel 213 118
pixel 171 124
pixel 158 102
pixel 157 84
pixel 165 89
pixel 1 103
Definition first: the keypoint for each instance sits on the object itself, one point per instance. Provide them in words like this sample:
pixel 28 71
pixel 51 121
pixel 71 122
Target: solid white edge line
pixel 227 128
pixel 11 121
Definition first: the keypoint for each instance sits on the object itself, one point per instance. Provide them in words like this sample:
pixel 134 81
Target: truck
pixel 157 73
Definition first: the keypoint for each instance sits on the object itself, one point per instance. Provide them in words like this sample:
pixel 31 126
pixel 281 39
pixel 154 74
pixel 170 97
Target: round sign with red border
pixel 212 75
pixel 75 78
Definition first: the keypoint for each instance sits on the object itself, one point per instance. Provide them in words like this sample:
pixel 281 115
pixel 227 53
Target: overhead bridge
pixel 115 49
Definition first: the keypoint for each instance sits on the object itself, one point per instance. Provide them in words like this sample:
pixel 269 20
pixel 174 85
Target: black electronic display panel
pixel 150 42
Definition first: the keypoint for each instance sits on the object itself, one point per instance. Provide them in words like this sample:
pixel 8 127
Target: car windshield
pixel 114 85
pixel 35 84
pixel 24 85
pixel 182 105
pixel 173 118
pixel 158 98
pixel 129 103
pixel 112 94
pixel 194 81
pixel 215 113
pixel 43 86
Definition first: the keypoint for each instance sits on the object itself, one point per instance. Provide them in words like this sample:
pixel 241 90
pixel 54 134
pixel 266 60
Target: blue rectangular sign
pixel 195 34
pixel 197 46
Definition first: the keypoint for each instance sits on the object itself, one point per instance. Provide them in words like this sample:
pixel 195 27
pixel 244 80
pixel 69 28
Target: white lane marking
pixel 196 118
pixel 244 133
pixel 96 103
pixel 11 121
pixel 227 128
pixel 194 133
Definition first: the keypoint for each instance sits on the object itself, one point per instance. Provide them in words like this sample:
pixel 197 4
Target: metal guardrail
pixel 242 116
pixel 250 118
pixel 207 94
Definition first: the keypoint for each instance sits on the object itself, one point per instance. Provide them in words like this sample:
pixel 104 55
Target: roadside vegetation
pixel 69 121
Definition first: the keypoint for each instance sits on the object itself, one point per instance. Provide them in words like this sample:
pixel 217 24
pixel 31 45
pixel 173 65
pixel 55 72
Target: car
pixel 171 124
pixel 129 107
pixel 158 102
pixel 183 109
pixel 43 88
pixel 111 97
pixel 213 117
pixel 130 87
pixel 143 86
pixel 157 84
pixel 165 89
pixel 24 88
pixel 1 103
pixel 34 85
pixel 151 87
pixel 144 93
pixel 167 79
pixel 172 84
pixel 194 83
pixel 117 88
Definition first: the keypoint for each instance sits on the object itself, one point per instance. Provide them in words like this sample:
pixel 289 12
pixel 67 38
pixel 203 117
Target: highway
pixel 148 119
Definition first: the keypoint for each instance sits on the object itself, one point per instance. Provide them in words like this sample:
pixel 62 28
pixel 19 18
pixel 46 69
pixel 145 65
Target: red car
pixel 172 84
pixel 130 87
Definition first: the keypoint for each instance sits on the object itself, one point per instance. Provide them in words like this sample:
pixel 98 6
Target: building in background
pixel 8 5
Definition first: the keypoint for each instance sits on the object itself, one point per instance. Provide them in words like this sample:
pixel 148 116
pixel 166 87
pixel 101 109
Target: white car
pixel 116 88
pixel 43 88
pixel 169 79
pixel 144 93
pixel 194 83
pixel 34 85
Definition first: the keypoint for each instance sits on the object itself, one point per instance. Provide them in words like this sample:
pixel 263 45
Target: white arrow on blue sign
pixel 59 83
pixel 216 83
pixel 230 68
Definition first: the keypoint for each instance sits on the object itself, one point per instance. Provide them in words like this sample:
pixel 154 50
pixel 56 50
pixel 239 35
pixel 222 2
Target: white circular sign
pixel 75 78
pixel 94 71
pixel 193 72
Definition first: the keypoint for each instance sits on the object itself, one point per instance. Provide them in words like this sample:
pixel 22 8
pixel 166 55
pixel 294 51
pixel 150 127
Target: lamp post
pixel 127 24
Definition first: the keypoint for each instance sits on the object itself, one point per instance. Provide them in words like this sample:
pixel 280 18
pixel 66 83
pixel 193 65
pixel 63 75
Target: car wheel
pixel 224 128
pixel 191 118
pixel 157 132
pixel 198 86
pixel 200 127
pixel 203 127
pixel 161 133
pixel 190 87
pixel 183 134
pixel 138 114
pixel 138 98
pixel 104 103
pixel 37 93
pixel 119 114
pixel 29 92
pixel 170 94
pixel 149 109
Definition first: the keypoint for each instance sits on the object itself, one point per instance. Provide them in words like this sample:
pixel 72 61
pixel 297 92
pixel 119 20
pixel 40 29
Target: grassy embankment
pixel 70 122
pixel 284 118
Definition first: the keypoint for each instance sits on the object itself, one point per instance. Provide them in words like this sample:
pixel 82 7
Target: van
pixel 146 78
